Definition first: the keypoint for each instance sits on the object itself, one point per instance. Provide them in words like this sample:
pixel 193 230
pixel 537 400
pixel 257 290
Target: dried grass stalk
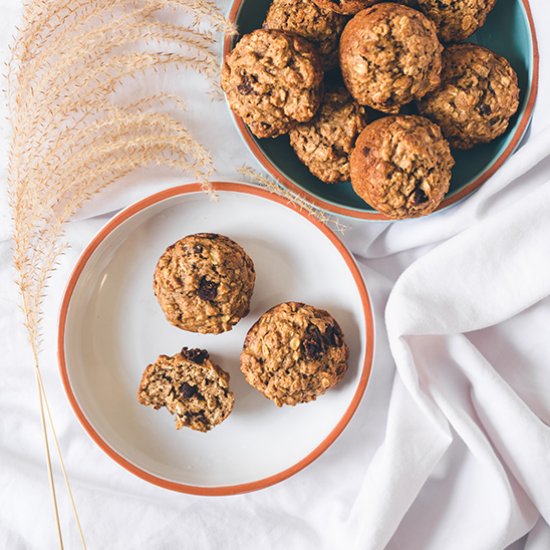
pixel 70 139
pixel 292 198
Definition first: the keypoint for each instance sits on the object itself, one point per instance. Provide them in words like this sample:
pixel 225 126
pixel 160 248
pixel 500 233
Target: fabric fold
pixel 446 389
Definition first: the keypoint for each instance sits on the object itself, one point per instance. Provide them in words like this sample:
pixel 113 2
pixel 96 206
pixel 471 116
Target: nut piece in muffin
pixel 389 56
pixel 272 81
pixel 401 165
pixel 294 353
pixel 478 95
pixel 190 386
pixel 303 17
pixel 457 19
pixel 325 142
pixel 204 283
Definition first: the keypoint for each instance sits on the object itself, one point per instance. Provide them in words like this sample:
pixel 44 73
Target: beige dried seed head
pixel 69 138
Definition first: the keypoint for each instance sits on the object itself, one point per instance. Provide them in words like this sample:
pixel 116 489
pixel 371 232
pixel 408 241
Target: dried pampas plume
pixel 70 139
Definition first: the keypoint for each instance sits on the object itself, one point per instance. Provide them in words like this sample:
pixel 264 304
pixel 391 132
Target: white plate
pixel 111 327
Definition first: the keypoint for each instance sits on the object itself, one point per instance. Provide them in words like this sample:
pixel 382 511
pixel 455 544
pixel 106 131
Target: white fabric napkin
pixel 447 390
pixel 450 448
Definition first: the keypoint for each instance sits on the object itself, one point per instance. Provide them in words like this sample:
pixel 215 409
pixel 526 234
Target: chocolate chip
pixel 419 196
pixel 187 391
pixel 366 151
pixel 208 290
pixel 197 249
pixel 200 417
pixel 313 343
pixel 333 336
pixel 485 109
pixel 195 355
pixel 245 87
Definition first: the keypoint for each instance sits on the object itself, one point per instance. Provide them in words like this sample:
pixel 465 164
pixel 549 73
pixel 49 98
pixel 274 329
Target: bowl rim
pixel 377 216
pixel 366 367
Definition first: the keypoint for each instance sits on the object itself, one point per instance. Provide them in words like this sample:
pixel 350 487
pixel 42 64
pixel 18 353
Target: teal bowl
pixel 509 31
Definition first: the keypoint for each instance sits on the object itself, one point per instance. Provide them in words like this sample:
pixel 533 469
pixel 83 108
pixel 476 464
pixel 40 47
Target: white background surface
pixel 466 458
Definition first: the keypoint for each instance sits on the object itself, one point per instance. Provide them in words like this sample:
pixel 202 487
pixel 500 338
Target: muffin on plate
pixel 303 17
pixel 294 353
pixel 204 283
pixel 389 56
pixel 272 80
pixel 325 142
pixel 457 19
pixel 191 388
pixel 479 93
pixel 401 165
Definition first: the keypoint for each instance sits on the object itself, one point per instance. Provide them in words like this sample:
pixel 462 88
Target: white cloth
pixel 450 450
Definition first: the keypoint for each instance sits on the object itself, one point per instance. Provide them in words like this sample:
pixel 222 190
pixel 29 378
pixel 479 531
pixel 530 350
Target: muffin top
pixel 272 80
pixel 325 142
pixel 478 95
pixel 303 17
pixel 294 353
pixel 401 165
pixel 457 19
pixel 204 283
pixel 390 55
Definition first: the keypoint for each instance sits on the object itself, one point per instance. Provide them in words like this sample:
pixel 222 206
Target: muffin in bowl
pixel 478 96
pixel 401 165
pixel 390 55
pixel 457 19
pixel 272 80
pixel 324 144
pixel 305 18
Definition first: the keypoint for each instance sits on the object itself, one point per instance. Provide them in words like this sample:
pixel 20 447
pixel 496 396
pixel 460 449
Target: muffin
pixel 401 165
pixel 325 142
pixel 191 388
pixel 303 17
pixel 389 56
pixel 204 283
pixel 294 353
pixel 479 94
pixel 272 81
pixel 457 19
